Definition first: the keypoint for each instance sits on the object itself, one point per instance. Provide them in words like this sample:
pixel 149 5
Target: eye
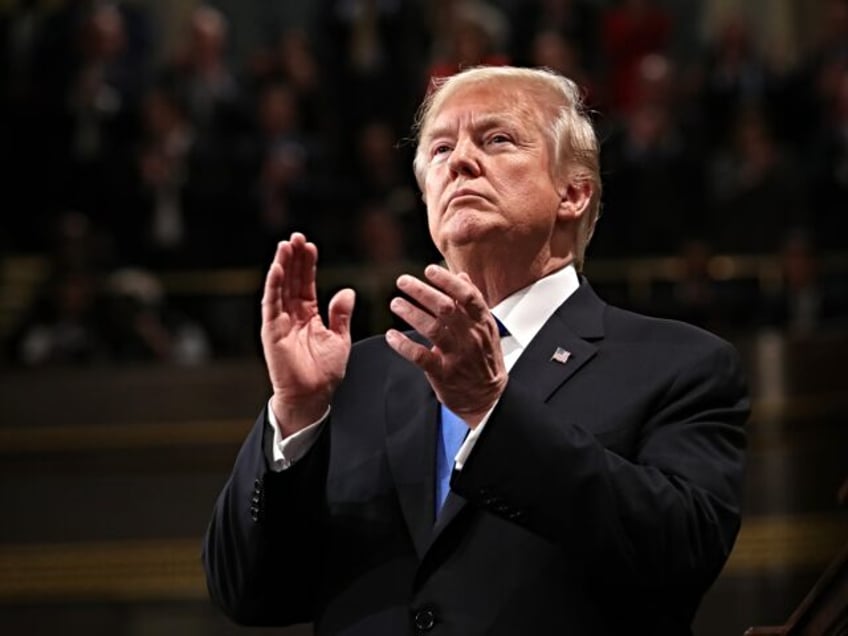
pixel 440 149
pixel 500 138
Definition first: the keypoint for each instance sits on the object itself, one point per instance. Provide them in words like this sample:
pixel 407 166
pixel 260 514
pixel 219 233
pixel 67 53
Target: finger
pixel 307 289
pixel 295 265
pixel 341 310
pixel 459 288
pixel 434 301
pixel 283 259
pixel 422 321
pixel 271 295
pixel 271 305
pixel 416 353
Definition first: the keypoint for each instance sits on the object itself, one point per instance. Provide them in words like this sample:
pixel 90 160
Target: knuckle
pixel 468 297
pixel 445 309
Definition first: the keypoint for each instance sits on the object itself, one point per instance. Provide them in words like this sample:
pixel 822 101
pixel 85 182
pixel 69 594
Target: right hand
pixel 306 360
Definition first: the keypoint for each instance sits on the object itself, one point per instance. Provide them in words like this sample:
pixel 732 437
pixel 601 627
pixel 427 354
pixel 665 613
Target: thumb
pixel 341 309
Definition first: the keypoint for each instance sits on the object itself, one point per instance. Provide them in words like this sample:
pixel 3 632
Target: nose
pixel 464 160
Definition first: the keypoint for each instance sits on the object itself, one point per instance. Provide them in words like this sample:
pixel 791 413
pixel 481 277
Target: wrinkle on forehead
pixel 514 103
pixel 525 107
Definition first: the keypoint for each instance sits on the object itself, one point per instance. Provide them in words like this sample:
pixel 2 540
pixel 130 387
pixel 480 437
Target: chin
pixel 462 229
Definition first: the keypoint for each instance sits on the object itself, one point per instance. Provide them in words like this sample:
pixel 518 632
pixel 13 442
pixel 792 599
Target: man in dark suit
pixel 529 461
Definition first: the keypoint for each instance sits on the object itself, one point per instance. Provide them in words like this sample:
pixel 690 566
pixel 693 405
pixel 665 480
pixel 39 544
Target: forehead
pixel 505 101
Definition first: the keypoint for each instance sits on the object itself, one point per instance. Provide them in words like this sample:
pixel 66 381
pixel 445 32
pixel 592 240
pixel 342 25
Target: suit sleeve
pixel 261 551
pixel 667 516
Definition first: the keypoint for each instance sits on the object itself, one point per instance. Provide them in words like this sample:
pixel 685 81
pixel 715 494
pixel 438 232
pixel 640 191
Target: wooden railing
pixel 824 611
pixel 22 276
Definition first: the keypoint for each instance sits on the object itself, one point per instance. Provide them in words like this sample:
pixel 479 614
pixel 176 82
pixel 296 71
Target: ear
pixel 575 197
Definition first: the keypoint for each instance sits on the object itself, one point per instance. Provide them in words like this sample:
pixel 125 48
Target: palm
pixel 306 359
pixel 303 355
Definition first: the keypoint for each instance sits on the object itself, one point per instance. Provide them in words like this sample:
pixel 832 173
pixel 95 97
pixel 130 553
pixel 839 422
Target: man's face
pixel 487 180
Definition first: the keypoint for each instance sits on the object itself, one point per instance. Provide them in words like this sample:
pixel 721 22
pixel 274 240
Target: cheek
pixel 433 189
pixel 526 185
pixel 432 215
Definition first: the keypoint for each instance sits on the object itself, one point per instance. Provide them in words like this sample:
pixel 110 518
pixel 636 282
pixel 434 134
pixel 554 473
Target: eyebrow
pixel 483 122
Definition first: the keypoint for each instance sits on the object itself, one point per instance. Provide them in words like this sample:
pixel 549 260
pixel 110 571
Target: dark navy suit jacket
pixel 603 497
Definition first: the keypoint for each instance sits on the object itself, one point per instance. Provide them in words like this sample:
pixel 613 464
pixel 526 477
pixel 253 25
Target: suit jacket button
pixel 424 620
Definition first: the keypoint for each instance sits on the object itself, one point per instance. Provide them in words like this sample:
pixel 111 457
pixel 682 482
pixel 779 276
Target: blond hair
pixel 571 136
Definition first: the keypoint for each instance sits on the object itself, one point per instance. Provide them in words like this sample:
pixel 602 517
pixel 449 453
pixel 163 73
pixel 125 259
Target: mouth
pixel 462 193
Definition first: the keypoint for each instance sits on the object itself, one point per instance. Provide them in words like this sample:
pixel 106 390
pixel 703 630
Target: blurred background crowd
pixel 144 139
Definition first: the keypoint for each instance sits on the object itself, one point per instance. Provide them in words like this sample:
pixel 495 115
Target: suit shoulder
pixel 688 356
pixel 623 326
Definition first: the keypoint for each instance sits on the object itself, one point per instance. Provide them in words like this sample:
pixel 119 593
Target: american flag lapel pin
pixel 560 355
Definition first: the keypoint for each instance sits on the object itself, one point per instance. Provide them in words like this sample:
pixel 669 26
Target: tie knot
pixel 502 330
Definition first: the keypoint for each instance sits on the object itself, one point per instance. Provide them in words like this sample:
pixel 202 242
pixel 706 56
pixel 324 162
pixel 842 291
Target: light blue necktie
pixel 452 432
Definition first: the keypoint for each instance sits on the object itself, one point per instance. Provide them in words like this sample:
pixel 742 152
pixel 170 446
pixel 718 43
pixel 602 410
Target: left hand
pixel 465 364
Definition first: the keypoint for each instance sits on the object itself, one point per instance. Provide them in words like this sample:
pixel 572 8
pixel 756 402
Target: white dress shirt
pixel 522 313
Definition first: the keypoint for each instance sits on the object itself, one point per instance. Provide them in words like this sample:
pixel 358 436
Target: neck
pixel 509 275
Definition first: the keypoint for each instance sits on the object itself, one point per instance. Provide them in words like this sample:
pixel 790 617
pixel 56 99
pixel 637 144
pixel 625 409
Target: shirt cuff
pixel 471 439
pixel 286 451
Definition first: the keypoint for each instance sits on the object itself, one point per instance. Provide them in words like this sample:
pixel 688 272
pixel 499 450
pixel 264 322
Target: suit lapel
pixel 411 412
pixel 571 331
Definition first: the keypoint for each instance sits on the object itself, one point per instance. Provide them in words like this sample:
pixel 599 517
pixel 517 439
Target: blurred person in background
pixel 64 326
pixel 278 162
pixel 202 74
pixel 829 165
pixel 65 323
pixel 139 324
pixel 67 110
pixel 288 178
pixel 576 22
pixel 805 303
pixel 757 193
pixel 186 204
pixel 737 78
pixel 291 60
pixel 654 194
pixel 467 33
pixel 101 110
pixel 372 52
pixel 630 31
pixel 380 178
pixel 551 49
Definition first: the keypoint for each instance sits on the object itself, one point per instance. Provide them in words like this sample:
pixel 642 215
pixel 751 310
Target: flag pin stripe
pixel 560 355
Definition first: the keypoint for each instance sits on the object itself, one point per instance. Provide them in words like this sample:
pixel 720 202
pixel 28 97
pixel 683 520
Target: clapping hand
pixel 465 364
pixel 306 359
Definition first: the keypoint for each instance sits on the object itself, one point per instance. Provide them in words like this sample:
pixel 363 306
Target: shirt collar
pixel 524 312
